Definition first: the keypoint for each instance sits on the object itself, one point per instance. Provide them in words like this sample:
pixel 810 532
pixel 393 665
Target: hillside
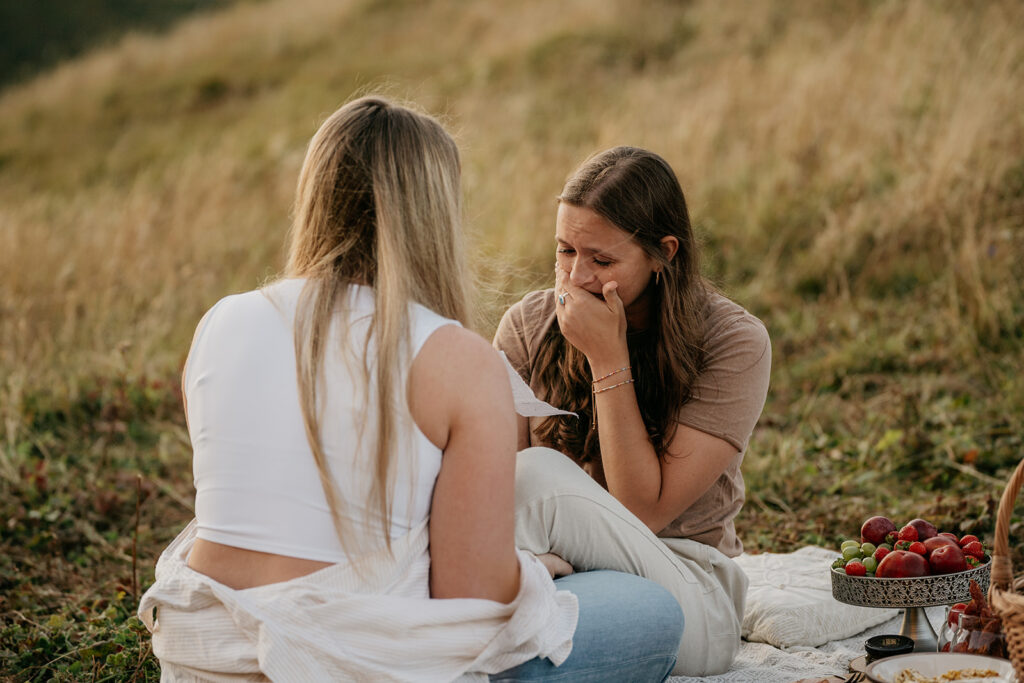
pixel 35 36
pixel 857 176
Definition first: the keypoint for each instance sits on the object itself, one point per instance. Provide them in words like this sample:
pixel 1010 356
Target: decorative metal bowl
pixel 918 591
pixel 911 594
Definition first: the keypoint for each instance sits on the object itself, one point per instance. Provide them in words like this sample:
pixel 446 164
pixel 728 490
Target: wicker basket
pixel 1004 593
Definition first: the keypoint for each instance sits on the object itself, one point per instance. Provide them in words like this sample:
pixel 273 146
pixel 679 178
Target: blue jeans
pixel 629 629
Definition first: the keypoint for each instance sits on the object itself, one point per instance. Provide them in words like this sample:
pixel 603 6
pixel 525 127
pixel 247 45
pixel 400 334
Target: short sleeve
pixel 730 393
pixel 510 337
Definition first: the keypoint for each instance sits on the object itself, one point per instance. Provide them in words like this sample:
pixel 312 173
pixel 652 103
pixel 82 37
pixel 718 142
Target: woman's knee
pixel 663 615
pixel 625 620
pixel 540 470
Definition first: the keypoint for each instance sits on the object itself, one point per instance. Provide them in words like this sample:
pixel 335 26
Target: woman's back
pixel 257 485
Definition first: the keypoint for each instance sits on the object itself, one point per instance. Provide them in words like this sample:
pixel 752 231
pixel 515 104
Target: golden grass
pixel 866 152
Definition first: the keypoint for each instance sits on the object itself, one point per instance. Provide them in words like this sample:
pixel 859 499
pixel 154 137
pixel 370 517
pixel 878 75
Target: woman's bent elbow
pixel 500 586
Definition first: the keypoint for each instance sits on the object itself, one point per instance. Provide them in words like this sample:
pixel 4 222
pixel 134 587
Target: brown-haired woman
pixel 668 378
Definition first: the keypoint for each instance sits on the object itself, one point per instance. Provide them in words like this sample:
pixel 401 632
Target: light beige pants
pixel 561 510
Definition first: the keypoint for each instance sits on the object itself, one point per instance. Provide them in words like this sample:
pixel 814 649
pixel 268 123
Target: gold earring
pixel 657 277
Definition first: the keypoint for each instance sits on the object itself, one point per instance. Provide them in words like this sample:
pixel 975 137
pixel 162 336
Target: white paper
pixel 526 402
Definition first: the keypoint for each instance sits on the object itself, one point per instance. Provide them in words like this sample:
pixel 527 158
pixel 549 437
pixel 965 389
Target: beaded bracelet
pixel 628 381
pixel 593 423
pixel 613 372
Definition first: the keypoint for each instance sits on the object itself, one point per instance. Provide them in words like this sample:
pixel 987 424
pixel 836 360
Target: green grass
pixel 93 489
pixel 855 172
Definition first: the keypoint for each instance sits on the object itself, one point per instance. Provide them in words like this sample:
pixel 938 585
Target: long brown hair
pixel 378 204
pixel 637 191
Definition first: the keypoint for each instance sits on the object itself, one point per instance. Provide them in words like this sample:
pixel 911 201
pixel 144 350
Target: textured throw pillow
pixel 790 603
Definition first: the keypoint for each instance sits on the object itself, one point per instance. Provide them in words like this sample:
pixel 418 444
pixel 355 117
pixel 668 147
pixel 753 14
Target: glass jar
pixel 961 634
pixel 980 635
pixel 947 631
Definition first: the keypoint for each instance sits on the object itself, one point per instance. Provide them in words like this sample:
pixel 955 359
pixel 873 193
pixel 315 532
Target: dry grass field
pixel 855 170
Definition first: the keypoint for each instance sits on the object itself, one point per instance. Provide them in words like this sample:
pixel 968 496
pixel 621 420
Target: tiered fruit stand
pixel 912 595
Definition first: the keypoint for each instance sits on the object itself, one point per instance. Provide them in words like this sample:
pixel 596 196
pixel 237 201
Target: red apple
pixel 950 536
pixel 875 529
pixel 924 529
pixel 947 559
pixel 938 541
pixel 900 564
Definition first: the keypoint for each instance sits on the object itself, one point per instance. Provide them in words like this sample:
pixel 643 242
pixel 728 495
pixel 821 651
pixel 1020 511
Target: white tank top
pixel 257 485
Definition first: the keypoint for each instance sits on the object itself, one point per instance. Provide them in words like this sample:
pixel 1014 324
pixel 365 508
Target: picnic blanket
pixel 808 633
pixel 764 663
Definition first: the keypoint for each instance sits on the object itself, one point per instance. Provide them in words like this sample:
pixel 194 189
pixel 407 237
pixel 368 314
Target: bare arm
pixel 460 397
pixel 657 490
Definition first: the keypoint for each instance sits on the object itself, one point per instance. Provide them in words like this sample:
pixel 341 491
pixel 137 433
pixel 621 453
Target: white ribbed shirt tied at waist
pixel 377 624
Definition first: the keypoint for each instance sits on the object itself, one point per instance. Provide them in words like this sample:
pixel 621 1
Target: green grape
pixel 847 544
pixel 852 552
pixel 870 563
pixel 868 549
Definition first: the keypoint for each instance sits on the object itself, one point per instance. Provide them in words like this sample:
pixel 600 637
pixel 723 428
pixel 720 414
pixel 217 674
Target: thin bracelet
pixel 593 423
pixel 628 381
pixel 613 372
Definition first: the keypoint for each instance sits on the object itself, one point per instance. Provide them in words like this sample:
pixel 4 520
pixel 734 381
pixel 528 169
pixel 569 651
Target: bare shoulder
pixel 456 377
pixel 457 352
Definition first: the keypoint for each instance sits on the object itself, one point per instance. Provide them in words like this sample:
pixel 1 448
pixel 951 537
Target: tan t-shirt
pixel 727 400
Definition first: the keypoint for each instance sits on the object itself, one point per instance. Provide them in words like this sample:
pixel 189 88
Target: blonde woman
pixel 354 455
pixel 668 378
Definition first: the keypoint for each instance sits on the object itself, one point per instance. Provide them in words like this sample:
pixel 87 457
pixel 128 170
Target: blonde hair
pixel 378 204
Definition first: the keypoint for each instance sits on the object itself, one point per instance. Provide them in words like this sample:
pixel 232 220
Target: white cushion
pixel 790 603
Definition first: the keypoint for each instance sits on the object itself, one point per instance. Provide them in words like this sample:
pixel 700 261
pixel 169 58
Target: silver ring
pixel 561 298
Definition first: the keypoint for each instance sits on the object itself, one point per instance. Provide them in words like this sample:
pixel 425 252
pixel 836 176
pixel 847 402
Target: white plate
pixel 937 663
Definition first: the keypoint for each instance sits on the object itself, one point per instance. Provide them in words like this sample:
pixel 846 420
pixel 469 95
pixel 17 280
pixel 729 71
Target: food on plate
pixel 914 676
pixel 874 553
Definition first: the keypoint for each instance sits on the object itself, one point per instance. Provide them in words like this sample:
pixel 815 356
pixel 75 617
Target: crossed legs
pixel 560 509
